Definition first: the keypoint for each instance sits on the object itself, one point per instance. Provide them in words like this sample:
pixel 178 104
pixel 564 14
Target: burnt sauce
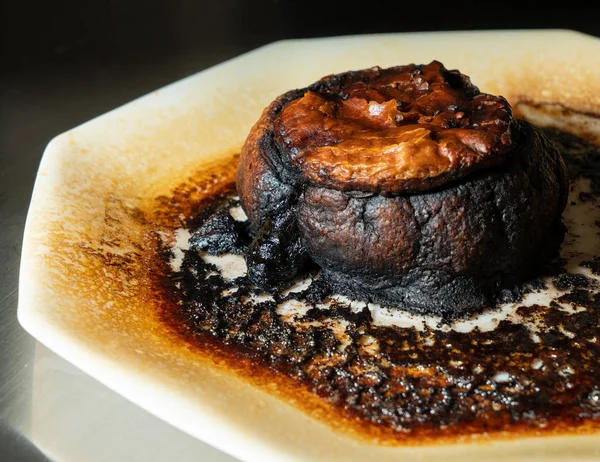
pixel 537 370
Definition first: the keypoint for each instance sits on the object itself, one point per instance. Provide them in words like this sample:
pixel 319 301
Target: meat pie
pixel 407 186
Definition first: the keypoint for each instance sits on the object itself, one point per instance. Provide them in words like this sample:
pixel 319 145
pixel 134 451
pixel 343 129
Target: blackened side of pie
pixel 445 251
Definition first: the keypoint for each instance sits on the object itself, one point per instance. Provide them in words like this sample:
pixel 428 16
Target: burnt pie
pixel 407 186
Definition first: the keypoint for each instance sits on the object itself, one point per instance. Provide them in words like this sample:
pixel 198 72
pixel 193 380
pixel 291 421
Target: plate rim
pixel 110 372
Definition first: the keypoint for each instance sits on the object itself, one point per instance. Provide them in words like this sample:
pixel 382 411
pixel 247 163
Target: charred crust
pixel 444 243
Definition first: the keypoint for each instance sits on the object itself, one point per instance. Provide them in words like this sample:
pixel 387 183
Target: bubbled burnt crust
pixel 407 128
pixel 438 226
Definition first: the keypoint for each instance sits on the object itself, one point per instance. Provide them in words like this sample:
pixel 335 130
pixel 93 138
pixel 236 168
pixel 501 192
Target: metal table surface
pixel 70 61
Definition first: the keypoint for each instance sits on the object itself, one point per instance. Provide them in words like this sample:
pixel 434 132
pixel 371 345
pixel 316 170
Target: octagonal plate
pixel 92 179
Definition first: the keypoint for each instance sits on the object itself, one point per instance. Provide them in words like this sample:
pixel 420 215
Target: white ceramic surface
pixel 94 177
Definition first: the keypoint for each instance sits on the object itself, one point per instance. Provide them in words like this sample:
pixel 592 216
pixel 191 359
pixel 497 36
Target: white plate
pixel 93 178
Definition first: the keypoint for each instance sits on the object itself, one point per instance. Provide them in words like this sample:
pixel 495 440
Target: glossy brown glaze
pixel 397 385
pixel 406 128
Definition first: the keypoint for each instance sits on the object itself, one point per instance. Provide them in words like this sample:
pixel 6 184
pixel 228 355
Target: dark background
pixel 64 62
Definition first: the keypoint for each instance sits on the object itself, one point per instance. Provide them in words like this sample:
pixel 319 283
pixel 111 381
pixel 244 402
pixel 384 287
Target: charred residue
pixel 404 383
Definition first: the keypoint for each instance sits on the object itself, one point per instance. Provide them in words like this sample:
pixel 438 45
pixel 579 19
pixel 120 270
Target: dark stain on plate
pixel 537 373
